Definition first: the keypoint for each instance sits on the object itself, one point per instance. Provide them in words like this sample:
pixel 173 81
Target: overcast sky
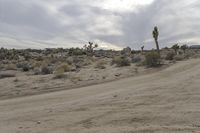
pixel 111 23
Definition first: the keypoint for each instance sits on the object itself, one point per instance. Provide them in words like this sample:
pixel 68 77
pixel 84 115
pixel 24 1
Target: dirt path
pixel 166 101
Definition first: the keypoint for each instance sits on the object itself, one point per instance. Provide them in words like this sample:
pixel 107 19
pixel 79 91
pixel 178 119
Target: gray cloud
pixel 79 21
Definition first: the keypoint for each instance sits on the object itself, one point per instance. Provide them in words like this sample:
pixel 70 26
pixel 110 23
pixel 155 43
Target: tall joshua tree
pixel 142 49
pixel 184 47
pixel 155 36
pixel 175 47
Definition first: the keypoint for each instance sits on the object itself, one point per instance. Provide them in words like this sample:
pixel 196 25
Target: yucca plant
pixel 155 36
pixel 175 47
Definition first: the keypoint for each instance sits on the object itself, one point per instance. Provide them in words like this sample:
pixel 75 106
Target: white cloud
pixel 114 23
pixel 121 5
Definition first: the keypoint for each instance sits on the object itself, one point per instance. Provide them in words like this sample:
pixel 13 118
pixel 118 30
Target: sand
pixel 25 84
pixel 166 101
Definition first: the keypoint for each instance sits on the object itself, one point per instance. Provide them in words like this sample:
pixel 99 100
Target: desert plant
pixel 101 64
pixel 75 79
pixel 136 59
pixel 65 66
pixel 76 51
pixel 155 36
pixel 89 49
pixel 36 71
pixel 126 51
pixel 121 61
pixel 170 56
pixel 45 70
pixel 11 67
pixel 184 47
pixel 142 49
pixel 59 73
pixel 175 47
pixel 26 68
pixel 152 59
pixel 179 57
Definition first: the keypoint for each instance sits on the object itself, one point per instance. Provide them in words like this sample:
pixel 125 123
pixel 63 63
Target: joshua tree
pixel 155 36
pixel 90 48
pixel 142 49
pixel 175 47
pixel 184 47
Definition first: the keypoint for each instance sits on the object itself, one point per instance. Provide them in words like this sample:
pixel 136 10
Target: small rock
pixel 118 74
pixel 115 96
pixel 38 122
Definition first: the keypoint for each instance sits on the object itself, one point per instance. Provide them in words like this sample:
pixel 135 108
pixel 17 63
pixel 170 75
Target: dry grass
pixel 11 67
pixel 65 66
pixel 100 64
pixel 76 79
pixel 59 73
pixel 121 61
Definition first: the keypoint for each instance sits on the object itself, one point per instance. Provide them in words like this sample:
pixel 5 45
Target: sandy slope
pixel 167 101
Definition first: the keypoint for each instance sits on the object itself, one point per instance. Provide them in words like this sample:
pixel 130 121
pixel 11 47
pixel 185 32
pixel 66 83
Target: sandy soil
pixel 28 84
pixel 163 102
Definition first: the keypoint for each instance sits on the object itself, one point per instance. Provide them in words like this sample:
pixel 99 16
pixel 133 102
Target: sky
pixel 113 24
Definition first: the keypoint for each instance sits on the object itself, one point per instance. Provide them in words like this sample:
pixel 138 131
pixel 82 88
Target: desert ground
pixel 166 101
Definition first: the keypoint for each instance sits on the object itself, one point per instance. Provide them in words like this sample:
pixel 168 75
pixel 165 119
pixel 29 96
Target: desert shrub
pixel 65 66
pixel 100 64
pixel 37 64
pixel 36 71
pixel 1 66
pixel 152 59
pixel 19 65
pixel 121 61
pixel 39 58
pixel 70 60
pixel 26 68
pixel 46 70
pixel 6 75
pixel 136 59
pixel 76 79
pixel 188 55
pixel 59 73
pixel 179 57
pixel 76 51
pixel 10 67
pixel 170 56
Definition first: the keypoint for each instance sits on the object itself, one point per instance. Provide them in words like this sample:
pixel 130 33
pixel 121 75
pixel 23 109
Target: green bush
pixel 121 61
pixel 152 59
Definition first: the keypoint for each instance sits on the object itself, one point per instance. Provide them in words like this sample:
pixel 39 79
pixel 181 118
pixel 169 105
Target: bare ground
pixel 163 102
pixel 25 84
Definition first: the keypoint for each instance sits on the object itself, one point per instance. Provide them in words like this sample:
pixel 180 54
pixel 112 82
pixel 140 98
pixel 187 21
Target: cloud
pixel 114 23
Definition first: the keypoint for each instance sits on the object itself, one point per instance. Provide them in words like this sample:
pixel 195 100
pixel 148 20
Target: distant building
pixel 195 46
